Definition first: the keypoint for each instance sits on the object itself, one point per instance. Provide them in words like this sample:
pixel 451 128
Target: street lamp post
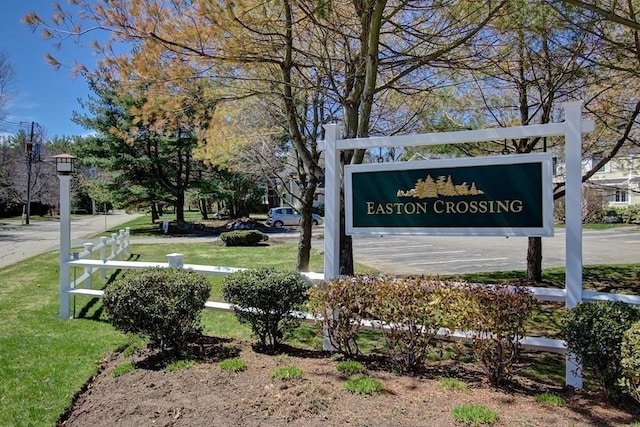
pixel 64 168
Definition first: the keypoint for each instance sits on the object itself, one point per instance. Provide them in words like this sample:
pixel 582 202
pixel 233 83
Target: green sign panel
pixel 508 195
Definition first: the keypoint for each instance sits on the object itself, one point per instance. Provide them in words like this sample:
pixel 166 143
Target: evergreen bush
pixel 594 331
pixel 630 352
pixel 162 304
pixel 243 237
pixel 266 299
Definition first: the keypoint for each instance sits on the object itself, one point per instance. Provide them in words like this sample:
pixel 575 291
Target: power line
pixel 13 127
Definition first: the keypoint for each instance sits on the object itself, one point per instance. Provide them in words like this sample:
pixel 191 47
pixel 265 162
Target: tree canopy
pixel 255 73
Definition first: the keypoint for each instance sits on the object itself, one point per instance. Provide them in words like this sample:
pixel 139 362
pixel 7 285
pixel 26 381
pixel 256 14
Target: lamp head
pixel 64 163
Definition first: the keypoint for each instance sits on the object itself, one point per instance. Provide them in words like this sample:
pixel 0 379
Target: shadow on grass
pixel 93 308
pixel 614 278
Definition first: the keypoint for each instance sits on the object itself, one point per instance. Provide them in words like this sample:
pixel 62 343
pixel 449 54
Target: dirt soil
pixel 204 395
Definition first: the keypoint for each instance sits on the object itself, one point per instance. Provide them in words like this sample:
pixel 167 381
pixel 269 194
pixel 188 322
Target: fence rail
pixel 119 245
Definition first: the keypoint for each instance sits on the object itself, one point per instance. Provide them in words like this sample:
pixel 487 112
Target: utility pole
pixel 32 153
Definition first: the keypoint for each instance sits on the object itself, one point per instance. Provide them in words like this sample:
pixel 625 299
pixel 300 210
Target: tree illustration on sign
pixel 430 188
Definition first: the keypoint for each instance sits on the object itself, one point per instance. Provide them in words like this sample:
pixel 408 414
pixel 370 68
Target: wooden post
pixel 87 270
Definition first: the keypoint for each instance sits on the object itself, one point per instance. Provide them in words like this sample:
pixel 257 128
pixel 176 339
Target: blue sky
pixel 42 94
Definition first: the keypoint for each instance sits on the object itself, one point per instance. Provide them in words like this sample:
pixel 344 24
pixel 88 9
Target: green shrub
pixel 494 318
pixel 343 304
pixel 266 299
pixel 162 304
pixel 630 353
pixel 411 312
pixel 350 367
pixel 474 415
pixel 363 385
pixel 627 214
pixel 243 237
pixel 235 365
pixel 286 373
pixel 594 331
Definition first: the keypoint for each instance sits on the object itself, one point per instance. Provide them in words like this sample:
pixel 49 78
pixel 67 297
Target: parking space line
pixel 455 260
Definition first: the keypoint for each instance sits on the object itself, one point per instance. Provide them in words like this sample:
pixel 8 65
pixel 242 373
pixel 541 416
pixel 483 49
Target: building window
pixel 621 196
pixel 606 168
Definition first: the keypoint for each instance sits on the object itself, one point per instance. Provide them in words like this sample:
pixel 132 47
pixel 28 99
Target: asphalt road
pixel 18 242
pixel 453 255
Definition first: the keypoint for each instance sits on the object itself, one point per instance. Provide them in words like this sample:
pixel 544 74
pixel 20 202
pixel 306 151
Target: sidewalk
pixel 19 242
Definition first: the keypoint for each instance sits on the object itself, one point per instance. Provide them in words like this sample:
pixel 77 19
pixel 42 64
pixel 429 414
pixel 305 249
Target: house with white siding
pixel 619 179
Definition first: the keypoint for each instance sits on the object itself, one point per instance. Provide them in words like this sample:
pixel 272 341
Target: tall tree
pixel 535 63
pixel 24 177
pixel 151 159
pixel 304 53
pixel 7 78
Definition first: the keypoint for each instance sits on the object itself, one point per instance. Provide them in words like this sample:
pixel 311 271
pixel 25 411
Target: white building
pixel 619 179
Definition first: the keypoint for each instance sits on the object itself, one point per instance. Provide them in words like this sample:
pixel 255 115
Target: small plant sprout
pixel 350 367
pixel 550 399
pixel 234 365
pixel 363 385
pixel 122 369
pixel 180 365
pixel 286 373
pixel 474 415
pixel 452 384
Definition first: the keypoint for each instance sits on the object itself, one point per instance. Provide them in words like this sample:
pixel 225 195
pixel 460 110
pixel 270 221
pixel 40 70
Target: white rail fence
pixel 111 252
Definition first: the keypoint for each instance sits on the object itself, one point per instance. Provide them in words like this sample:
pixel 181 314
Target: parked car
pixel 284 215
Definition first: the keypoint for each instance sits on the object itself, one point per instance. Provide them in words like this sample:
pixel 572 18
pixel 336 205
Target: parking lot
pixel 453 255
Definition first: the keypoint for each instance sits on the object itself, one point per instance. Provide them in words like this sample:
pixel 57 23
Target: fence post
pixel 103 256
pixel 88 270
pixel 175 260
pixel 127 234
pixel 121 244
pixel 114 242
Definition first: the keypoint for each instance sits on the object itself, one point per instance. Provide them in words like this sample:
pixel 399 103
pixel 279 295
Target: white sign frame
pixel 546 230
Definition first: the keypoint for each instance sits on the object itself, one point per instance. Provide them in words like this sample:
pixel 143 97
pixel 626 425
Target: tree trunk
pixel 179 205
pixel 306 226
pixel 202 204
pixel 534 259
pixel 154 213
pixel 346 245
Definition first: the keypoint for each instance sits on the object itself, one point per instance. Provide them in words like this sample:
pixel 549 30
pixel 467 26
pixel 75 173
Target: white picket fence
pixel 111 251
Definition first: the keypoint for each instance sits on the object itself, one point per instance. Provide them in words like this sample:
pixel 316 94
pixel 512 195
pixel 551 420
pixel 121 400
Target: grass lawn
pixel 44 361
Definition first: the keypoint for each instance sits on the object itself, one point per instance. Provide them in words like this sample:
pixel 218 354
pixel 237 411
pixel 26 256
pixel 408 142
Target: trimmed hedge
pixel 243 237
pixel 495 317
pixel 594 331
pixel 266 299
pixel 630 350
pixel 163 304
pixel 411 311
